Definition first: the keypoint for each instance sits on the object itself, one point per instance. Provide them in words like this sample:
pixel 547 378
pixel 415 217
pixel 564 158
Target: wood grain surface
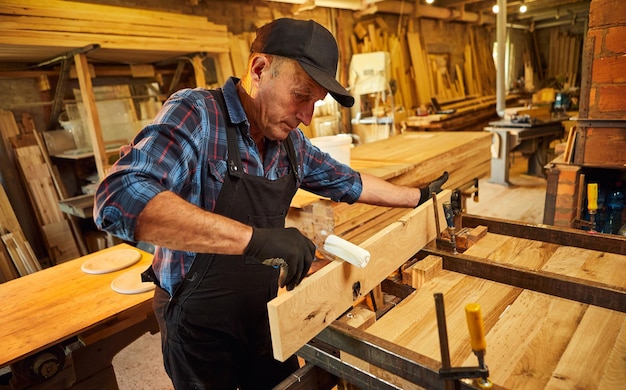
pixel 52 305
pixel 534 340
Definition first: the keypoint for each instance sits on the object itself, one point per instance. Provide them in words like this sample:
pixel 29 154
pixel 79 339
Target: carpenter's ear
pixel 258 65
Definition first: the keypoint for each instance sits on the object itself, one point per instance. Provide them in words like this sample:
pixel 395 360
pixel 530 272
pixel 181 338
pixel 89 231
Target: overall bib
pixel 215 329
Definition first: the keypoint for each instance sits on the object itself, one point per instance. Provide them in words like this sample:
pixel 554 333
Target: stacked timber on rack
pixel 16 255
pixel 125 35
pixel 470 114
pixel 411 159
pixel 47 32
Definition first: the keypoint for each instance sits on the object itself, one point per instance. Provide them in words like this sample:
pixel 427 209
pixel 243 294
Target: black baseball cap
pixel 309 43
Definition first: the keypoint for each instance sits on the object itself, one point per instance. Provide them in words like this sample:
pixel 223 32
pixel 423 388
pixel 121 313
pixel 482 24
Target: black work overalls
pixel 215 329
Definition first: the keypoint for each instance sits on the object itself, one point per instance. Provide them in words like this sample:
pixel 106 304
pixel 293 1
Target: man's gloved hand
pixel 283 246
pixel 434 186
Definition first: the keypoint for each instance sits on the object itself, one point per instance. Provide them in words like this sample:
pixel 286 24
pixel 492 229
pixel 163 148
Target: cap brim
pixel 336 90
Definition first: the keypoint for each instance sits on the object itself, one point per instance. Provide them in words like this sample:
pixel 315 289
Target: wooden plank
pixel 93 119
pixel 423 82
pixel 523 347
pixel 594 357
pixel 8 220
pixel 60 241
pixel 425 270
pixel 297 316
pixel 97 13
pixel 71 24
pixel 16 255
pixel 412 323
pixel 73 40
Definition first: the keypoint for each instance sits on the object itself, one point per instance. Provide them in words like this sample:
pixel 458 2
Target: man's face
pixel 285 98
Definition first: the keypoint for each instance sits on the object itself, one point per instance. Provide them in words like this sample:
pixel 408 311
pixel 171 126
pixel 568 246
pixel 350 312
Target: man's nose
pixel 305 113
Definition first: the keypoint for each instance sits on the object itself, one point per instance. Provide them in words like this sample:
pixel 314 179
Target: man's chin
pixel 281 134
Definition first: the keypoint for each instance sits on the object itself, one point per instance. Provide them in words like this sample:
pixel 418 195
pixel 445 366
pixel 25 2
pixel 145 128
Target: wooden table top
pixel 44 308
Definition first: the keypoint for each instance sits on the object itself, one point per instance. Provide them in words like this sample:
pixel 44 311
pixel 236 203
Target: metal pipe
pixel 500 71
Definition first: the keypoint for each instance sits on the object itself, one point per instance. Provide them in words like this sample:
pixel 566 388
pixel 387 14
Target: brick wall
pixel 603 97
pixel 607 55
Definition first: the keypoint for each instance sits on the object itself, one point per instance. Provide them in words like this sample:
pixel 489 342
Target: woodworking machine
pixel 325 352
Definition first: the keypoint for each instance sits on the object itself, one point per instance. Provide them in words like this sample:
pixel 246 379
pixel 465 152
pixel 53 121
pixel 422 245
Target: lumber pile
pixel 421 75
pixel 470 114
pixel 411 159
pixel 127 32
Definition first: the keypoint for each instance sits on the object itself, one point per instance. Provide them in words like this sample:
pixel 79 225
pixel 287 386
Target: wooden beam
pixel 551 283
pixel 297 316
pixel 553 234
pixel 93 120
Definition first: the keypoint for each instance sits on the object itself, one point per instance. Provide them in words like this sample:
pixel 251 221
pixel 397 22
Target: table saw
pixel 62 326
pixel 554 306
pixel 532 138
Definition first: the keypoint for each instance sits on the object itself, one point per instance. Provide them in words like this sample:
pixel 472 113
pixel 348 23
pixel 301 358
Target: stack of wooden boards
pixel 534 340
pixel 54 26
pixel 412 159
pixel 470 114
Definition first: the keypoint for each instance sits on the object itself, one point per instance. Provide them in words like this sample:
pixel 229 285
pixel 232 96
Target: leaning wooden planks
pixel 45 199
pixel 8 225
pixel 59 23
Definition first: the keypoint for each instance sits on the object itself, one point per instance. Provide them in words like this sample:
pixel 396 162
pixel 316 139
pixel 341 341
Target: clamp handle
pixel 476 328
pixel 592 196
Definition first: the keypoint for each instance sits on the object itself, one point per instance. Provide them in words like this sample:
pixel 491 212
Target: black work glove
pixel 434 186
pixel 287 248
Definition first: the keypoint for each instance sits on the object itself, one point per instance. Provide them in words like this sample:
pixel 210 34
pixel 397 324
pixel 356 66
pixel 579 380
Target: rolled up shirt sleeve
pixel 163 156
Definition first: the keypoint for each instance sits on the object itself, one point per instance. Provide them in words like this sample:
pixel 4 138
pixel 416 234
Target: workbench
pixel 531 138
pixel 554 308
pixel 61 326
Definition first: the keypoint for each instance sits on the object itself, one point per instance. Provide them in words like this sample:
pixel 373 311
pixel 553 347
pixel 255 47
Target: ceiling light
pixel 495 9
pixel 523 8
pixel 430 1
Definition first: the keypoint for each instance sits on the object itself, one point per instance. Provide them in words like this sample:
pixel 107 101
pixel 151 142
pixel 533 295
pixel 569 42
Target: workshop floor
pixel 140 365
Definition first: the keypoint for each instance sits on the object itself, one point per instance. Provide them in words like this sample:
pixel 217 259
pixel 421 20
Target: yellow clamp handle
pixel 475 325
pixel 592 196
